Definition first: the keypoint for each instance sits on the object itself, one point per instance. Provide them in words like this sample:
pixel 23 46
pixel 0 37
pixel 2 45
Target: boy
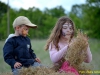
pixel 17 50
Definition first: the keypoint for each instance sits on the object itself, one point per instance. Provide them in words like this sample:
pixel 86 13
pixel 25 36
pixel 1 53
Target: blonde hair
pixel 56 32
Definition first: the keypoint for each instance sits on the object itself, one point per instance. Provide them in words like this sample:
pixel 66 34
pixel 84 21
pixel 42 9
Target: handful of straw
pixel 76 53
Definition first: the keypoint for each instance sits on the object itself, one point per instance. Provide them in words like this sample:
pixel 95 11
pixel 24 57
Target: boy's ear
pixel 17 27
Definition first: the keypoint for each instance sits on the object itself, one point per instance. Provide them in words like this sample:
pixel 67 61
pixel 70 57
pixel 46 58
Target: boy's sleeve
pixel 32 52
pixel 8 52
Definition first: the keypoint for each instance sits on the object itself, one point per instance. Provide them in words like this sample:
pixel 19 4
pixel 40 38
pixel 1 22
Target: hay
pixel 38 71
pixel 77 50
pixel 76 53
pixel 58 66
pixel 41 71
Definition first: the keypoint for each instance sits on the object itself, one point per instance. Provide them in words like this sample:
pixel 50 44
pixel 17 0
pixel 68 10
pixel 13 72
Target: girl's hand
pixel 38 60
pixel 17 65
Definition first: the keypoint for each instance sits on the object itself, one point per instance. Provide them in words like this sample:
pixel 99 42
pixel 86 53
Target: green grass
pixel 3 66
pixel 95 49
pixel 38 47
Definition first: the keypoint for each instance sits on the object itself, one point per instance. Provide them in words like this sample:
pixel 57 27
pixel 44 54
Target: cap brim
pixel 31 25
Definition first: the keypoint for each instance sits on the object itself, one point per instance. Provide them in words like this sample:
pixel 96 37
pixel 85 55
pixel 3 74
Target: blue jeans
pixel 16 71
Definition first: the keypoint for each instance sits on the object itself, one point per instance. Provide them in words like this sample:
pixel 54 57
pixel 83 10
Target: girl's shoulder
pixel 51 45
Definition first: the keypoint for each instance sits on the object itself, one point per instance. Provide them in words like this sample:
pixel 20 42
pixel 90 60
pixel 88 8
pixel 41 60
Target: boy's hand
pixel 17 65
pixel 38 60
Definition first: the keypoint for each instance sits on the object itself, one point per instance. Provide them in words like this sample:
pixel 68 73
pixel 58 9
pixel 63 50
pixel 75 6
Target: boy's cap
pixel 23 20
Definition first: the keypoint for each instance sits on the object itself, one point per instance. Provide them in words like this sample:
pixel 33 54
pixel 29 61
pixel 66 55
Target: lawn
pixel 38 46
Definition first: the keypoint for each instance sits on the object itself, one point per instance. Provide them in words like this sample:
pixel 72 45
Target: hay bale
pixel 38 71
pixel 41 71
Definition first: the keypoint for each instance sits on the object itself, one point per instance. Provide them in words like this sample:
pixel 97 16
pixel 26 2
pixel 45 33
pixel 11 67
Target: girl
pixel 58 44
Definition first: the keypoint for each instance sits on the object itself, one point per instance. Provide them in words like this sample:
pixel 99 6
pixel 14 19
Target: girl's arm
pixel 56 55
pixel 88 55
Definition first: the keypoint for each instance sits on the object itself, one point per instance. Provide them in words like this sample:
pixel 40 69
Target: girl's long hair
pixel 57 31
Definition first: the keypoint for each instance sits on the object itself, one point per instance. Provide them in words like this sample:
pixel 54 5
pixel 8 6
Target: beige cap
pixel 23 20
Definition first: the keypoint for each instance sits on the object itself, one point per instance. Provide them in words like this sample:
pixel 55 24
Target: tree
pixel 86 17
pixel 45 20
pixel 92 17
pixel 3 9
pixel 76 15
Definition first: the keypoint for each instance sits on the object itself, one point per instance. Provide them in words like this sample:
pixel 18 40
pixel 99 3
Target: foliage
pixel 3 9
pixel 85 16
pixel 45 20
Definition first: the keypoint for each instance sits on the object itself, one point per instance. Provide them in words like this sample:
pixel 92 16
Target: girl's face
pixel 67 30
pixel 23 30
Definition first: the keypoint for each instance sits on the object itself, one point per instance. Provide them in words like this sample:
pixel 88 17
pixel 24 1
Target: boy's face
pixel 23 30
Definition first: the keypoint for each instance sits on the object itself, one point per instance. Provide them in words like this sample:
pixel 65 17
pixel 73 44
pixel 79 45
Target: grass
pixel 3 66
pixel 95 49
pixel 38 46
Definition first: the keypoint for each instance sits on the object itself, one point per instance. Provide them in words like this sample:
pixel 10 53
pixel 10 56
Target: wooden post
pixel 8 19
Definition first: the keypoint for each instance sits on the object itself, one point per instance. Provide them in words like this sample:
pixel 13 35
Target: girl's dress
pixel 67 68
